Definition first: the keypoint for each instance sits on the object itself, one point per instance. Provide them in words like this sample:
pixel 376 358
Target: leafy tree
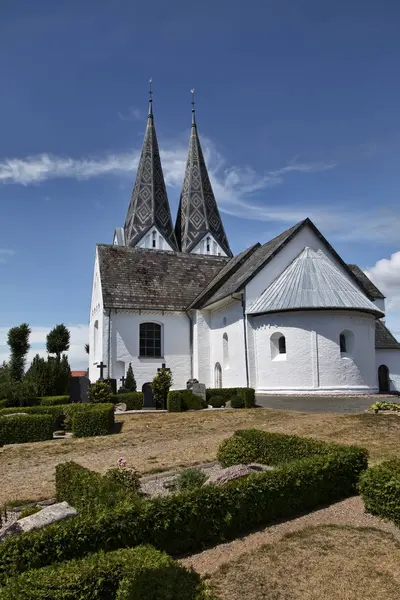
pixel 130 381
pixel 38 376
pixel 18 340
pixel 58 340
pixel 100 392
pixel 160 385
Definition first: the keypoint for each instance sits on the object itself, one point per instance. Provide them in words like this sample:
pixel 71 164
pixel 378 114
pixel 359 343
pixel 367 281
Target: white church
pixel 287 316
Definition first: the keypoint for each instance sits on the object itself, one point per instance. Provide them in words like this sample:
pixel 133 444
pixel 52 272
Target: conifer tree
pixel 130 381
pixel 160 385
pixel 18 340
pixel 38 376
pixel 58 340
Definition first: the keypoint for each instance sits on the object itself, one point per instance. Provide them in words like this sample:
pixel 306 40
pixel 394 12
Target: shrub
pixel 190 479
pixel 133 400
pixel 19 429
pixel 98 420
pixel 393 406
pixel 217 401
pixel 237 402
pixel 160 385
pixel 380 490
pixel 129 479
pixel 100 392
pixel 193 520
pixel 123 390
pixel 179 400
pixel 130 381
pixel 127 574
pixel 248 395
pixel 54 400
pixel 174 401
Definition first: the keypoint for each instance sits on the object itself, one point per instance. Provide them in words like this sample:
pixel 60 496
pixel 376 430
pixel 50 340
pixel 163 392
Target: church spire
pixel 149 207
pixel 199 226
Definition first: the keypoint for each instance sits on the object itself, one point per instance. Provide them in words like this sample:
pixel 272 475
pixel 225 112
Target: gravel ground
pixel 349 512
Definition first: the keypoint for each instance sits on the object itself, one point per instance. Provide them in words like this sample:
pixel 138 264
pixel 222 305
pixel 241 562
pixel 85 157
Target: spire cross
pixel 193 109
pixel 150 96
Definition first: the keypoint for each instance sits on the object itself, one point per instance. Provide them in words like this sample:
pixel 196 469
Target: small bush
pixel 100 392
pixel 237 402
pixel 20 429
pixel 160 385
pixel 130 381
pixel 123 390
pixel 128 478
pixel 128 574
pixel 392 406
pixel 55 400
pixel 174 401
pixel 98 420
pixel 190 479
pixel 217 401
pixel 380 490
pixel 248 395
pixel 133 400
pixel 180 400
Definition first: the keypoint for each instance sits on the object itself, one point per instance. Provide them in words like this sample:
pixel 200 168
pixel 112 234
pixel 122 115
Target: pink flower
pixel 121 462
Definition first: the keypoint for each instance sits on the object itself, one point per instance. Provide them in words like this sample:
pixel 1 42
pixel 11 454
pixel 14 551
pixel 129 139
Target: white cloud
pixel 133 114
pixel 78 359
pixel 5 254
pixel 386 276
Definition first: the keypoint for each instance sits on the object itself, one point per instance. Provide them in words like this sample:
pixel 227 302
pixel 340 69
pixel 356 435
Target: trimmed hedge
pixel 20 429
pixel 98 420
pixel 133 400
pixel 3 404
pixel 55 400
pixel 237 402
pixel 380 490
pixel 128 574
pixel 180 400
pixel 180 523
pixel 174 401
pixel 248 395
pixel 218 401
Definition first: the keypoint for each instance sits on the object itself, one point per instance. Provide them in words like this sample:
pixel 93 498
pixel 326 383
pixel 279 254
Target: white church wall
pixel 227 345
pixel 390 358
pixel 305 237
pixel 153 240
pixel 175 346
pixel 96 324
pixel 201 347
pixel 208 245
pixel 313 361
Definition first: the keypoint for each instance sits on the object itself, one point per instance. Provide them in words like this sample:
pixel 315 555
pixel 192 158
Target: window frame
pixel 153 347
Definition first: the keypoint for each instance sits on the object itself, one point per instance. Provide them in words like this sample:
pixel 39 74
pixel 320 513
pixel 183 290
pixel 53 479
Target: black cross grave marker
pixel 101 366
pixel 123 379
pixel 164 366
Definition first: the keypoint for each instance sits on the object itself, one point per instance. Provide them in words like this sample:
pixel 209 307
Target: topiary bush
pixel 54 400
pixel 21 429
pixel 181 400
pixel 237 402
pixel 190 479
pixel 128 574
pixel 100 392
pixel 133 400
pixel 217 401
pixel 98 420
pixel 379 488
pixel 174 401
pixel 123 390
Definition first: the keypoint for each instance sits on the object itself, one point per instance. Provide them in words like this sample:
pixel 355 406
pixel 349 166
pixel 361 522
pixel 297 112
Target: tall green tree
pixel 160 386
pixel 18 340
pixel 58 340
pixel 38 375
pixel 130 381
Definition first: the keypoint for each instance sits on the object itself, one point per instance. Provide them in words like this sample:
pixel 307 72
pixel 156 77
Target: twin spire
pixel 198 226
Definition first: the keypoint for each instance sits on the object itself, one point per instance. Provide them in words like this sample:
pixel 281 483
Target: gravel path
pixel 348 512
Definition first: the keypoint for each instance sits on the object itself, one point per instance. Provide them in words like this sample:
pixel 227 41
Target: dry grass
pixel 317 563
pixel 153 442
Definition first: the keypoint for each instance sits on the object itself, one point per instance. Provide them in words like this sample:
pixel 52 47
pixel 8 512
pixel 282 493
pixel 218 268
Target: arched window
pixel 342 339
pixel 278 346
pixel 154 238
pixel 208 241
pixel 282 345
pixel 95 340
pixel 225 350
pixel 150 340
pixel 217 375
pixel 346 342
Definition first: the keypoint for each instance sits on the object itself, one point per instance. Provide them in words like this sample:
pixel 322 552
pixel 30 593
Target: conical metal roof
pixel 312 281
pixel 198 212
pixel 149 202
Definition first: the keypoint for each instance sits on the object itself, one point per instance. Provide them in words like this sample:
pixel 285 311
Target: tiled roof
pixel 78 373
pixel 312 281
pixel 366 282
pixel 135 278
pixel 384 339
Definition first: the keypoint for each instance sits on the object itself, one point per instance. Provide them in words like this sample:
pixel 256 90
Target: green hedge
pixel 19 429
pixel 133 400
pixel 98 420
pixel 55 400
pixel 180 400
pixel 380 490
pixel 237 402
pixel 128 574
pixel 174 401
pixel 192 520
pixel 3 404
pixel 218 401
pixel 248 395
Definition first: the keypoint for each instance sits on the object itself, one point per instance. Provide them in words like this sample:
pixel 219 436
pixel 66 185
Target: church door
pixel 148 395
pixel 218 376
pixel 383 378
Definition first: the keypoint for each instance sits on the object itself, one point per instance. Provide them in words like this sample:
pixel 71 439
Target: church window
pixel 95 339
pixel 154 239
pixel 150 340
pixel 225 350
pixel 278 346
pixel 218 376
pixel 342 342
pixel 282 345
pixel 346 343
pixel 208 245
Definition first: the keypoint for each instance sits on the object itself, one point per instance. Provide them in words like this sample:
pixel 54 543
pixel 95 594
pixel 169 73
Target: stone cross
pixel 164 366
pixel 123 379
pixel 101 366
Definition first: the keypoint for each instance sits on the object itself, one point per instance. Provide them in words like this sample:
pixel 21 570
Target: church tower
pixel 199 228
pixel 148 222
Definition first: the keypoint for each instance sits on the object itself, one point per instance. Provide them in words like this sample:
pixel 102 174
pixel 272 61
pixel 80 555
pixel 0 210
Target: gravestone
pixel 190 383
pixel 113 384
pixel 148 401
pixel 78 389
pixel 199 389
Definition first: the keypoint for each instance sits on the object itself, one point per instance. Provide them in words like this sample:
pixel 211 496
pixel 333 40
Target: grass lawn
pixel 152 442
pixel 317 563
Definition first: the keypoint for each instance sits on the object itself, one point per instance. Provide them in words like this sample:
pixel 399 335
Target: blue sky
pixel 297 108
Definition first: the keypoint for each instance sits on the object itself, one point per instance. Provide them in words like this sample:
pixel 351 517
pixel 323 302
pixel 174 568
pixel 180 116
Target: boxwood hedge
pixel 96 420
pixel 126 574
pixel 192 520
pixel 380 489
pixel 133 400
pixel 19 429
pixel 180 400
pixel 54 400
pixel 248 395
